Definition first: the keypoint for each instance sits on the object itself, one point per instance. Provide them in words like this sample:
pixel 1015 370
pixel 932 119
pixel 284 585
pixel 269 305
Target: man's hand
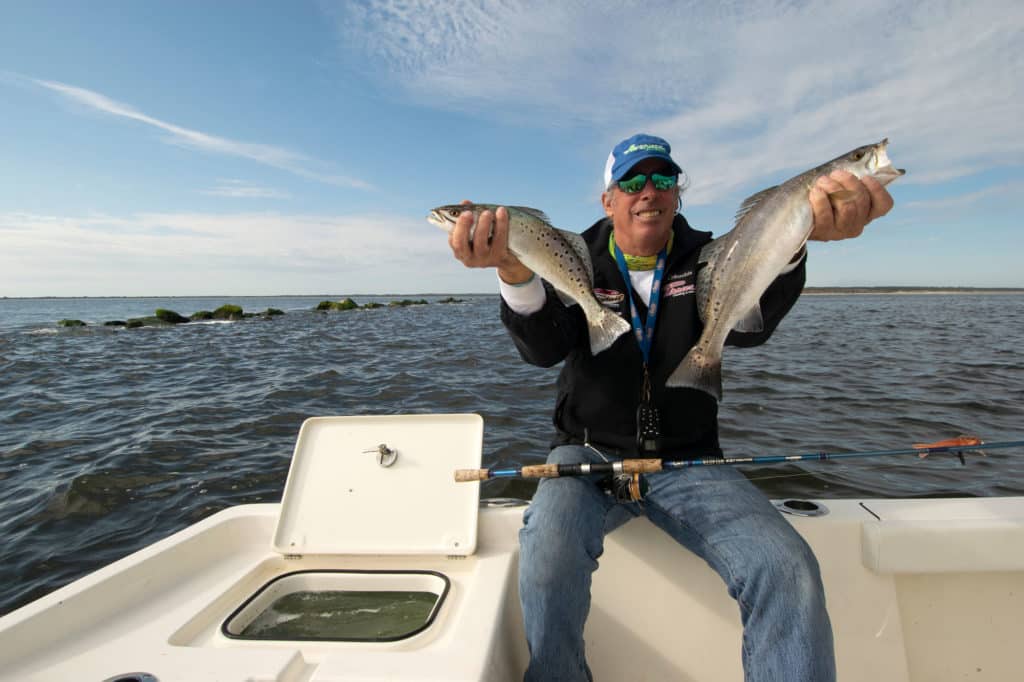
pixel 862 201
pixel 488 247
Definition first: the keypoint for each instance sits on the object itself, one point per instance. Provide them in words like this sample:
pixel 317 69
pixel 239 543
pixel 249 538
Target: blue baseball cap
pixel 632 151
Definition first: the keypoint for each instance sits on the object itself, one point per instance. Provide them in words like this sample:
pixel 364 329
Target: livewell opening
pixel 340 606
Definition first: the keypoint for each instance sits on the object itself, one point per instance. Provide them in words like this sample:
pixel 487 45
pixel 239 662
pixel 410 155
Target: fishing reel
pixel 626 487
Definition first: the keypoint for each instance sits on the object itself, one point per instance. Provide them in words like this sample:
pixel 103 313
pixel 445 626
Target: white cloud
pixel 941 85
pixel 269 155
pixel 190 252
pixel 744 91
pixel 240 189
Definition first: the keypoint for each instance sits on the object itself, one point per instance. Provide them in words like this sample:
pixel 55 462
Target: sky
pixel 262 148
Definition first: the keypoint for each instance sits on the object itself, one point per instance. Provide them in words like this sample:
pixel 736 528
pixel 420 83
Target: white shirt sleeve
pixel 524 299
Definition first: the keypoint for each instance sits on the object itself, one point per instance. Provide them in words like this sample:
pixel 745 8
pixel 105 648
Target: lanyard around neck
pixel 644 332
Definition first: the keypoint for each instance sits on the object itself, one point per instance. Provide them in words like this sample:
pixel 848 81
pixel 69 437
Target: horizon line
pixel 892 288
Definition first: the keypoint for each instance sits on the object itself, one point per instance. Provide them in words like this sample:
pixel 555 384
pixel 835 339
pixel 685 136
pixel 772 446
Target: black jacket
pixel 598 395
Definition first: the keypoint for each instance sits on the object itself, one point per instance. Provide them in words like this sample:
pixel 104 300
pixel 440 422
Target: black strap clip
pixel 648 422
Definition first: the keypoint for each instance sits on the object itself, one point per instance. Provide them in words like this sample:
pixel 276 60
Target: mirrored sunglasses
pixel 634 184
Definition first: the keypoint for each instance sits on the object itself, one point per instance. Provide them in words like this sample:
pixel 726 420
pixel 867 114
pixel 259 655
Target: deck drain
pixel 801 507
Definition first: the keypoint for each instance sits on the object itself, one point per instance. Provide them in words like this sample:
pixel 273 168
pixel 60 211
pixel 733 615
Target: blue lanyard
pixel 644 333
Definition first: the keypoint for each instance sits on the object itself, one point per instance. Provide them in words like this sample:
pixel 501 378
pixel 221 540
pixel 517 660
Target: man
pixel 644 252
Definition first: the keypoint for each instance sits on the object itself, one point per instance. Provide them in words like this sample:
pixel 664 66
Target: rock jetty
pixel 349 304
pixel 344 304
pixel 162 317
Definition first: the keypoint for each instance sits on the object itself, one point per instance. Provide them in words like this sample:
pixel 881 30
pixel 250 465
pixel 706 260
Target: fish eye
pixel 857 155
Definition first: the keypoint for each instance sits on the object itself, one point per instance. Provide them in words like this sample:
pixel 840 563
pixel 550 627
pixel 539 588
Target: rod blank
pixel 646 466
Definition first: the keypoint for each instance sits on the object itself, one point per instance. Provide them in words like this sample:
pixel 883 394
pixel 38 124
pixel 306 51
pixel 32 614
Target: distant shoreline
pixel 813 291
pixel 228 297
pixel 911 290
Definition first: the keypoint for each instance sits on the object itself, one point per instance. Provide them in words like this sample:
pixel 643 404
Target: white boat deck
pixel 933 591
pixel 160 611
pixel 918 591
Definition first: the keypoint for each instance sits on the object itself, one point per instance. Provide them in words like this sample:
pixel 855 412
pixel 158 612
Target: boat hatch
pixel 373 485
pixel 346 606
pixel 382 485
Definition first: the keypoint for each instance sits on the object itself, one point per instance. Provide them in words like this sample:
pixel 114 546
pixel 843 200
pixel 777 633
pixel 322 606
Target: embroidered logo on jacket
pixel 680 285
pixel 609 297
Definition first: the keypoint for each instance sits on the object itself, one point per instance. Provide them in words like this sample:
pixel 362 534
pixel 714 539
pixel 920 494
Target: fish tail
pixel 604 329
pixel 700 370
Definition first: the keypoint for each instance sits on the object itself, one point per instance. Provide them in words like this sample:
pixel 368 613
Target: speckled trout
pixel 736 269
pixel 559 257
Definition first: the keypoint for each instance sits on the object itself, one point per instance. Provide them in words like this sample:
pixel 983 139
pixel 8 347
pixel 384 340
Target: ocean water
pixel 111 439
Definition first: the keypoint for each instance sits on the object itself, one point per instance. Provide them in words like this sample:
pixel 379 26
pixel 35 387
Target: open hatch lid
pixel 340 498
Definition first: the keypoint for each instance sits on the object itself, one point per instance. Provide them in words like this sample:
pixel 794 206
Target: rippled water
pixel 112 438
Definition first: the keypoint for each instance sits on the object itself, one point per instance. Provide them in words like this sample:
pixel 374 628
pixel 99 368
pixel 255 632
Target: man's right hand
pixel 489 246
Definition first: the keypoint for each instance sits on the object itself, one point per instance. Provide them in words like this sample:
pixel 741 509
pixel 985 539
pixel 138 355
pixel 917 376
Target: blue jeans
pixel 769 569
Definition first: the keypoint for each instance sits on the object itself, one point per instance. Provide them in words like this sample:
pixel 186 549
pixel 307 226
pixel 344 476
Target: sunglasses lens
pixel 634 184
pixel 664 182
pixel 637 182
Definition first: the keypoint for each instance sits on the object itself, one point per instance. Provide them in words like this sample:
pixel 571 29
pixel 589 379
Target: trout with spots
pixel 737 268
pixel 559 257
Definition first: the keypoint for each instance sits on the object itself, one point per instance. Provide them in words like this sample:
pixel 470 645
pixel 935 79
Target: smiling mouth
pixel 650 213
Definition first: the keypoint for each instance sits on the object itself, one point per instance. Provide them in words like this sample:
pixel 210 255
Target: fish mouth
pixel 888 173
pixel 439 219
pixel 884 172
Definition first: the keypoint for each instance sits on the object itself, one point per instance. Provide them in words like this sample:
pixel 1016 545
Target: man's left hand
pixel 847 217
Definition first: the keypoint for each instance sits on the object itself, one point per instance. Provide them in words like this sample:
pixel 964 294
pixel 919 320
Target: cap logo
pixel 644 148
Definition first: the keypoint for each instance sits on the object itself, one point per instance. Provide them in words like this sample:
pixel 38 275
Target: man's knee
pixel 790 567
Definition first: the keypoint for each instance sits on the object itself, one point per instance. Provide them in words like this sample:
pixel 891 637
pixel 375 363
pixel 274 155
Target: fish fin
pixel 751 202
pixel 535 212
pixel 579 246
pixel 605 330
pixel 707 260
pixel 698 370
pixel 841 195
pixel 752 321
pixel 710 252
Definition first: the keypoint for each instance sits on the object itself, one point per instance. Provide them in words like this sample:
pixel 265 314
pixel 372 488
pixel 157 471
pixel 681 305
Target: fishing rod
pixel 635 467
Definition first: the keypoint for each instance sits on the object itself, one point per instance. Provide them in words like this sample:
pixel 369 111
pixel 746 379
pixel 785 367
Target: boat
pixel 921 590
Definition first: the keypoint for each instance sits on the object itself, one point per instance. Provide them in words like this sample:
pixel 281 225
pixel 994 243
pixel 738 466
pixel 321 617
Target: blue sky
pixel 188 148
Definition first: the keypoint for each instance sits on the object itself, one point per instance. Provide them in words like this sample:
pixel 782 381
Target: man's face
pixel 644 217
